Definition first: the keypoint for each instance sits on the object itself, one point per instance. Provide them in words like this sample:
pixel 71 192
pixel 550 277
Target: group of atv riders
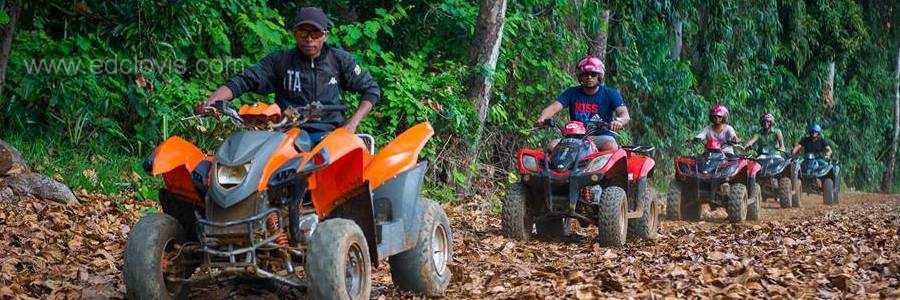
pixel 316 72
pixel 313 72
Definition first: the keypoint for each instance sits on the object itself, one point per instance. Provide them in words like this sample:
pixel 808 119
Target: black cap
pixel 312 16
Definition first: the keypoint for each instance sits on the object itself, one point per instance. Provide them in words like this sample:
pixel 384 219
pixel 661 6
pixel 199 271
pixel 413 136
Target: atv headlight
pixel 598 163
pixel 229 176
pixel 530 163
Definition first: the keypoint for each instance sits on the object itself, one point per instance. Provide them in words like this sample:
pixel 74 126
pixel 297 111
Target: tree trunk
pixel 484 53
pixel 677 37
pixel 598 45
pixel 828 88
pixel 9 32
pixel 887 183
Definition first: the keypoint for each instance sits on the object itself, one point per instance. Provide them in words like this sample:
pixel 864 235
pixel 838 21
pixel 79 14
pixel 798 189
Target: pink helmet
pixel 719 110
pixel 591 64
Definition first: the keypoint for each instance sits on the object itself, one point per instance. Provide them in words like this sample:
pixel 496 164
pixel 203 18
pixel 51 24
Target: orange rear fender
pixel 399 155
pixel 331 185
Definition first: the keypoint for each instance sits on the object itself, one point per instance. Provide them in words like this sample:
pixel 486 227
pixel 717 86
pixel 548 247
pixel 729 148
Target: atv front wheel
pixel 691 208
pixel 153 257
pixel 673 201
pixel 784 192
pixel 756 198
pixel 647 226
pixel 828 191
pixel 423 269
pixel 798 189
pixel 737 203
pixel 612 224
pixel 338 265
pixel 516 220
pixel 837 189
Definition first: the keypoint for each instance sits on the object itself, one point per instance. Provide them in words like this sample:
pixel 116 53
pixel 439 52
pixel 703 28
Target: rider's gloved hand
pixel 540 123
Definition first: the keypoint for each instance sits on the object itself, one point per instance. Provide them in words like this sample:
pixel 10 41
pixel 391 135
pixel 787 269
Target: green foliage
pixel 754 56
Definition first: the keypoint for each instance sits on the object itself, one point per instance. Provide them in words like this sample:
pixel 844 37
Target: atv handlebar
pixel 594 127
pixel 290 117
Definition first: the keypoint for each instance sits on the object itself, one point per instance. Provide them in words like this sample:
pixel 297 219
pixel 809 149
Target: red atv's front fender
pixel 616 158
pixel 753 168
pixel 399 155
pixel 639 166
pixel 175 159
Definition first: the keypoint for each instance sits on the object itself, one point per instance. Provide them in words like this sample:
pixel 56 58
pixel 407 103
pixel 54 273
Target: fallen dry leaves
pixel 849 250
pixel 56 251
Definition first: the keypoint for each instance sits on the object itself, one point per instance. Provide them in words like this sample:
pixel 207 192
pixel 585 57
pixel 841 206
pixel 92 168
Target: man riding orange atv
pixel 296 197
pixel 272 204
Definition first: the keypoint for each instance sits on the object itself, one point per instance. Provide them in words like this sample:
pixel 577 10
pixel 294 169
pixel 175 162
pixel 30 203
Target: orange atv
pixel 272 204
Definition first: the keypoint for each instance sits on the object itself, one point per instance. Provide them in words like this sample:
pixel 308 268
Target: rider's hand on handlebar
pixel 615 125
pixel 206 107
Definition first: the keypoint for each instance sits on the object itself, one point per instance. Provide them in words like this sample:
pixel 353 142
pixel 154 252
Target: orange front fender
pixel 175 159
pixel 348 156
pixel 399 155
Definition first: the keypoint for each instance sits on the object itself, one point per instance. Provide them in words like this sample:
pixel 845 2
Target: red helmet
pixel 591 64
pixel 574 128
pixel 767 120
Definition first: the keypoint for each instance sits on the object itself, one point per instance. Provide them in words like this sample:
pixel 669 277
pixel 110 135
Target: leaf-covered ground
pixel 848 250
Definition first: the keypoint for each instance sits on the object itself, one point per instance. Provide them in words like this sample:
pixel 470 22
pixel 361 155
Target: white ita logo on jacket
pixel 292 81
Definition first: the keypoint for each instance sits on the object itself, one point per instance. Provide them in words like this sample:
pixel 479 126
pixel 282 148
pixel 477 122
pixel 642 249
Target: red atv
pixel 576 181
pixel 274 204
pixel 715 178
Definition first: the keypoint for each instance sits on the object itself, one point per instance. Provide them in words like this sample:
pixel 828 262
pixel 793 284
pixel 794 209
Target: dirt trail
pixel 851 249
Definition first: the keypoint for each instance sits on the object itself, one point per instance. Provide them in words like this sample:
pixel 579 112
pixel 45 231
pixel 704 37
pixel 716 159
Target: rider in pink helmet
pixel 719 129
pixel 591 100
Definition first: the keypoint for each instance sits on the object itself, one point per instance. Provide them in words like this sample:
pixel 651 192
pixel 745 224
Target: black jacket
pixel 298 80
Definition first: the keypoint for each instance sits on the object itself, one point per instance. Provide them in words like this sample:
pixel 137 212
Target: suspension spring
pixel 272 224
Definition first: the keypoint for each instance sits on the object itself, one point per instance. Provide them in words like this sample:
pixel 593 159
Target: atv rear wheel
pixel 338 265
pixel 737 203
pixel 515 218
pixel 153 256
pixel 612 224
pixel 828 191
pixel 756 198
pixel 647 226
pixel 673 201
pixel 784 192
pixel 423 269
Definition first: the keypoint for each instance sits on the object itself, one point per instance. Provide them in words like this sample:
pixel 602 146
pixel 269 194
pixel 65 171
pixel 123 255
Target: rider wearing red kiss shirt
pixel 589 99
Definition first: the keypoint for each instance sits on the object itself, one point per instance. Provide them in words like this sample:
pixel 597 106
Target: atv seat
pixel 369 141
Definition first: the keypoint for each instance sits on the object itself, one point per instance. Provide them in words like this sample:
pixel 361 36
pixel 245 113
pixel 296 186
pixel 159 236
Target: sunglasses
pixel 590 75
pixel 313 34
